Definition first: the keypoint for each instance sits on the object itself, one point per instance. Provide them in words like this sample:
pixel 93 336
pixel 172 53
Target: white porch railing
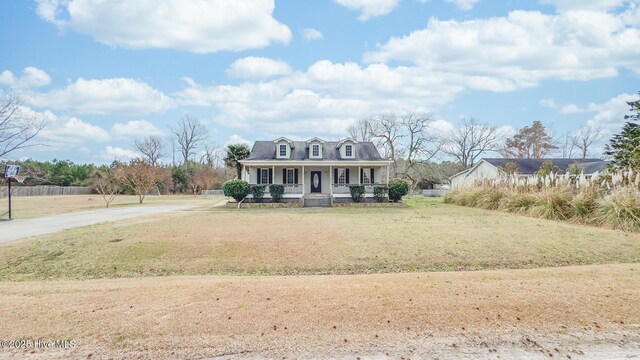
pixel 288 188
pixel 344 189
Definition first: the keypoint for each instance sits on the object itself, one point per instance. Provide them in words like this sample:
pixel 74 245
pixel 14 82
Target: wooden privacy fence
pixel 45 190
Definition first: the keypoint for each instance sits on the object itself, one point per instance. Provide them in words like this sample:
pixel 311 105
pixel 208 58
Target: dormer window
pixel 284 147
pixel 315 147
pixel 346 148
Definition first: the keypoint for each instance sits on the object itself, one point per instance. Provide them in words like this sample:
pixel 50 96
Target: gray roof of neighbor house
pixel 530 166
pixel 266 150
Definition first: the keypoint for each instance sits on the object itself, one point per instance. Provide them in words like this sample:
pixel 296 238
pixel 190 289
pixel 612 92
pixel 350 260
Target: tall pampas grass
pixel 610 200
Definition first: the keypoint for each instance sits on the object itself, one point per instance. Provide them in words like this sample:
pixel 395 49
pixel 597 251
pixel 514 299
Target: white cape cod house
pixel 316 168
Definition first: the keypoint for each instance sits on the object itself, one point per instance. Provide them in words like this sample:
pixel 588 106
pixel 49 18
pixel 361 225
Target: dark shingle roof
pixel 530 166
pixel 266 150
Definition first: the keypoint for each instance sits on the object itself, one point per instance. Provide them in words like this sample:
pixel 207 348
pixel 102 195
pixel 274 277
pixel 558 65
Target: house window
pixel 283 150
pixel 315 150
pixel 348 150
pixel 366 173
pixel 342 176
pixel 264 176
pixel 291 177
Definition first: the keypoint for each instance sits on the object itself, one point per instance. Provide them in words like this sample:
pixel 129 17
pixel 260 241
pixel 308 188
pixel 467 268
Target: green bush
pixel 276 190
pixel 380 193
pixel 237 189
pixel 257 191
pixel 397 189
pixel 553 203
pixel 357 192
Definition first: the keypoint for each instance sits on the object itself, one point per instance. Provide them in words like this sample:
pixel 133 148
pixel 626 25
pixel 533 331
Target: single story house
pixel 493 168
pixel 316 168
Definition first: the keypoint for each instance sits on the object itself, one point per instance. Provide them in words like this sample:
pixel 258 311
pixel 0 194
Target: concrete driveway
pixel 18 229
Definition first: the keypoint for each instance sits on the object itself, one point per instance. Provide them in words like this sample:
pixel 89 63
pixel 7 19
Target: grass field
pixel 427 235
pixel 26 207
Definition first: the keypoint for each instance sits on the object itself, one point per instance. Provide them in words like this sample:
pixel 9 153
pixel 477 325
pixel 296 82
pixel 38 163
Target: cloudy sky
pixel 103 73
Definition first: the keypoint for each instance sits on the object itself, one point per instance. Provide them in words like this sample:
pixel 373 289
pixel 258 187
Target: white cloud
pixel 522 49
pixel 571 109
pixel 134 128
pixel 311 34
pixel 548 103
pixel 258 68
pixel 237 139
pixel 369 8
pixel 609 115
pixel 601 5
pixel 71 133
pixel 465 5
pixel 324 100
pixel 106 96
pixel 191 25
pixel 111 153
pixel 31 78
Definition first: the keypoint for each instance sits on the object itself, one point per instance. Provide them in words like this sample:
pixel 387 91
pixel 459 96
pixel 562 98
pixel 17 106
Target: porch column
pixel 387 174
pixel 243 175
pixel 302 179
pixel 248 176
pixel 331 180
pixel 359 175
pixel 273 177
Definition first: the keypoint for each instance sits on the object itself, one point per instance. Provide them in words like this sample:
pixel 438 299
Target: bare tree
pixel 189 134
pixel 585 138
pixel 471 140
pixel 107 183
pixel 407 139
pixel 361 130
pixel 422 143
pixel 17 128
pixel 142 177
pixel 152 148
pixel 566 146
pixel 212 155
pixel 386 129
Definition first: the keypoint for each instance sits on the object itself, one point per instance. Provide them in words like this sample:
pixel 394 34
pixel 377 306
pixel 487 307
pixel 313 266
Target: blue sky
pixel 104 73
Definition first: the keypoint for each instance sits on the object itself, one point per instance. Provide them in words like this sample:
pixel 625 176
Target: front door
pixel 316 181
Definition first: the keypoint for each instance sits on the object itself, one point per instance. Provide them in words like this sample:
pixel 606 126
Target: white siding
pixel 483 171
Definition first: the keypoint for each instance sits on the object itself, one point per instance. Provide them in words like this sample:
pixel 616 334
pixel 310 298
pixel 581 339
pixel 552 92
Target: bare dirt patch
pixel 573 312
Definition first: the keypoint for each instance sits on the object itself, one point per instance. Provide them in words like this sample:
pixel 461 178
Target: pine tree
pixel 624 148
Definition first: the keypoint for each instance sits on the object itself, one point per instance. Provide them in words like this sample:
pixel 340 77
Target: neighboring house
pixel 315 168
pixel 488 169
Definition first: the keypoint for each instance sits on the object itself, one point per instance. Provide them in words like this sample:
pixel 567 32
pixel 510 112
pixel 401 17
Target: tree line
pixel 411 140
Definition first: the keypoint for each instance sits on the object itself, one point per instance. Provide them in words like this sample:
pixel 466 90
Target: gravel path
pixel 23 228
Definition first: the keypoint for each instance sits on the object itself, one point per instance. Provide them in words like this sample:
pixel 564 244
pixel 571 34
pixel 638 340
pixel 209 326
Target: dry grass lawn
pixel 427 235
pixel 26 207
pixel 586 312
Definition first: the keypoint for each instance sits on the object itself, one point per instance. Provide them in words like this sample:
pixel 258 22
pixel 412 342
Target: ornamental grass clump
pixel 553 203
pixel 620 210
pixel 517 202
pixel 609 200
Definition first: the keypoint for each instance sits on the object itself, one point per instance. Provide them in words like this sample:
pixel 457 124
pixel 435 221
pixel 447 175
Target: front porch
pixel 302 180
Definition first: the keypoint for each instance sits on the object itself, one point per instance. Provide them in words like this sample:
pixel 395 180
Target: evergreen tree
pixel 624 148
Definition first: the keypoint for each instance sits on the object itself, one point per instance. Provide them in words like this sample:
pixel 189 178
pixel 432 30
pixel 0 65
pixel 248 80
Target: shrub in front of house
pixel 257 191
pixel 276 190
pixel 237 189
pixel 397 189
pixel 357 192
pixel 380 193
